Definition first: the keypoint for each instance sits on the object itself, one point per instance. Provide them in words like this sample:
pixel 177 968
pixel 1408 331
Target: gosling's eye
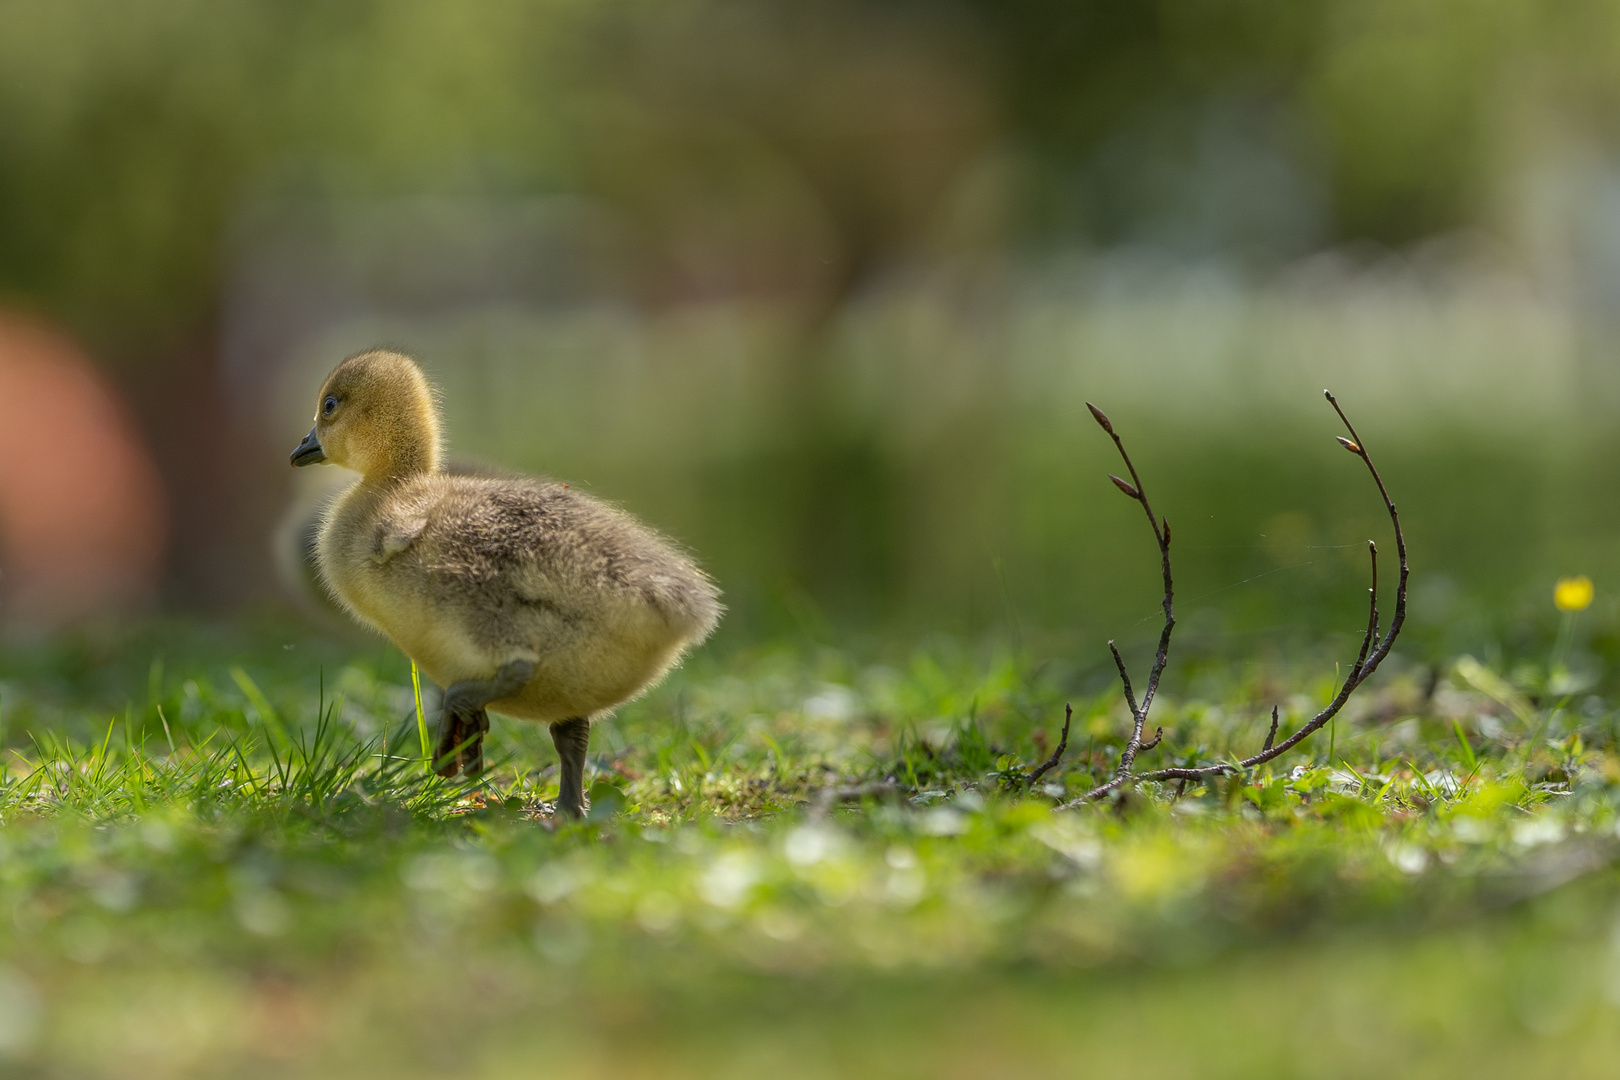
pixel 329 406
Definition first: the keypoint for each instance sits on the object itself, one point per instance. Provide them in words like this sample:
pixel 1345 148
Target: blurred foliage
pixel 775 153
pixel 751 145
pixel 786 154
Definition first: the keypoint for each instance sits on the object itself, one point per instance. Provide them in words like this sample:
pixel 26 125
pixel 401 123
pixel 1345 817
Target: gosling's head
pixel 376 414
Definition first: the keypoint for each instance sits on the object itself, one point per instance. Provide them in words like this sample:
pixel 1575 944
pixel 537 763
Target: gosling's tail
pixel 689 603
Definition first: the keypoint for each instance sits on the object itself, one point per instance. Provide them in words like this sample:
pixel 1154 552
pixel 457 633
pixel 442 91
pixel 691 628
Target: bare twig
pixel 1057 755
pixel 1161 534
pixel 1372 604
pixel 1124 677
pixel 1374 648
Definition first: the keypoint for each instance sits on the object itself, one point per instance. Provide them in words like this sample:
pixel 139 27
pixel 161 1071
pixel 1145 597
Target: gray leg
pixel 463 721
pixel 570 738
pixel 461 743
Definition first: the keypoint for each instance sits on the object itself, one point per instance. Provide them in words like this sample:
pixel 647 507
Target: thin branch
pixel 1161 534
pixel 1372 614
pixel 1374 648
pixel 1057 755
pixel 1124 677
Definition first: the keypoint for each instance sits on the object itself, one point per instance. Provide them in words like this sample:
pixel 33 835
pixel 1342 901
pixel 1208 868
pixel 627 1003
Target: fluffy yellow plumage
pixel 517 594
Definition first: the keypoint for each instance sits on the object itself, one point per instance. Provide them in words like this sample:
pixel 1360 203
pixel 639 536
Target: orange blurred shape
pixel 82 512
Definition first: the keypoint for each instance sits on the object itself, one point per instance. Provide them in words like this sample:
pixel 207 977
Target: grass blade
pixel 1469 758
pixel 260 703
pixel 421 720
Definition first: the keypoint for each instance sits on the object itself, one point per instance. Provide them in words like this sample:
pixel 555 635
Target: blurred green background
pixel 820 288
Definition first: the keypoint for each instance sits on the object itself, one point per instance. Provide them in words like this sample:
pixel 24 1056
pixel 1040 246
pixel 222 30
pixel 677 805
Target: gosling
pixel 518 595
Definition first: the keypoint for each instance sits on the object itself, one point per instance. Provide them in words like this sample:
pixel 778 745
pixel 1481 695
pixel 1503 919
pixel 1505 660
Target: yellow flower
pixel 1573 593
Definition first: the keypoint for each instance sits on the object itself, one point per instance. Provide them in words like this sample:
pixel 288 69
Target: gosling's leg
pixel 461 742
pixel 466 744
pixel 452 733
pixel 463 721
pixel 570 738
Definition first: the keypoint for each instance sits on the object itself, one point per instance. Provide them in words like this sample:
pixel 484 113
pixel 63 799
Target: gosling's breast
pixel 356 568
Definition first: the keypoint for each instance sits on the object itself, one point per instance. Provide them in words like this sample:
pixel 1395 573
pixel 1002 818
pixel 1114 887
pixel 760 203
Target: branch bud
pixel 1166 524
pixel 1125 486
pixel 1101 418
pixel 1347 444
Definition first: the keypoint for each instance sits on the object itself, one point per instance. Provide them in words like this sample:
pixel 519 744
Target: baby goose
pixel 520 595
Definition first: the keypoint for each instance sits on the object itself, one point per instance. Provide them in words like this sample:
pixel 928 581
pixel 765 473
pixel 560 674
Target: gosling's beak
pixel 309 451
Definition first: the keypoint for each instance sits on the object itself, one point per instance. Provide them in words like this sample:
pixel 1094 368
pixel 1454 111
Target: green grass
pixel 230 861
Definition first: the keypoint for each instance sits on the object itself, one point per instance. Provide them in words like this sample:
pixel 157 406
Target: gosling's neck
pixel 409 453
